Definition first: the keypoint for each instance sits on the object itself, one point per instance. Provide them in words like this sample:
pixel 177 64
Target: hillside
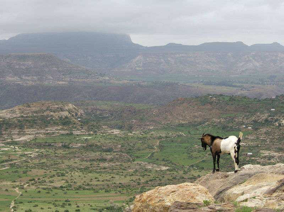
pixel 39 119
pixel 41 68
pixel 220 108
pixel 257 67
pixel 106 89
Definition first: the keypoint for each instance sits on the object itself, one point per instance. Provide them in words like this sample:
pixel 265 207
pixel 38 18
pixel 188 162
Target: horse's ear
pixel 203 134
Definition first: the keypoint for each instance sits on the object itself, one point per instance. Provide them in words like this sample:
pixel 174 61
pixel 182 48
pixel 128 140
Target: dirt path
pixel 11 162
pixel 4 168
pixel 155 150
pixel 13 201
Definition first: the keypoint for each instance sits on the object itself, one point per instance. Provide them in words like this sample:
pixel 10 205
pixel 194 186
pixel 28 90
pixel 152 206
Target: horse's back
pixel 228 143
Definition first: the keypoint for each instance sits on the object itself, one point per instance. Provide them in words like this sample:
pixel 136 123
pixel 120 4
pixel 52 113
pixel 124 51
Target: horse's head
pixel 205 140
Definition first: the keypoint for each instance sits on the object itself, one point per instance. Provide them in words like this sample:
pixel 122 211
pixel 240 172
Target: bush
pixel 206 202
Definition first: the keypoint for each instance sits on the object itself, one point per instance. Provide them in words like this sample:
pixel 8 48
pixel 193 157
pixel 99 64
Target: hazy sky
pixel 150 22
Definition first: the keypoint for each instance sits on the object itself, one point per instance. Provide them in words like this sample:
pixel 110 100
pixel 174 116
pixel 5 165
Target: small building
pixel 272 109
pixel 249 154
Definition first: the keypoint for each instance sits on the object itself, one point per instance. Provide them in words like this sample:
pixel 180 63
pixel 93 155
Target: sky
pixel 150 22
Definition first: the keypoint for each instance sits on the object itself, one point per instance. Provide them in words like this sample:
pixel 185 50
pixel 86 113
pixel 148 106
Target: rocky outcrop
pixel 254 186
pixel 161 199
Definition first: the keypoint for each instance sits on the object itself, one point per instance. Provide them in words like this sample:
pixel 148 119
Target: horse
pixel 218 145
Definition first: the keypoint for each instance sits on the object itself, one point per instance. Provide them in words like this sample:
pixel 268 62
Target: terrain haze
pixel 74 66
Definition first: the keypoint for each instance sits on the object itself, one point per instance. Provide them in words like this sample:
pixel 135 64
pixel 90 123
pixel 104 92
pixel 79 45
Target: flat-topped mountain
pixel 91 49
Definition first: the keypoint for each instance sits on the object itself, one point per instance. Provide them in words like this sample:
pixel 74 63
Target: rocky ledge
pixel 255 186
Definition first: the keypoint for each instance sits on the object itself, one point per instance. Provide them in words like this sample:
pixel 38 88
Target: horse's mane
pixel 213 137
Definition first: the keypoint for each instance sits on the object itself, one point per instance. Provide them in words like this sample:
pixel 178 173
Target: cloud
pixel 150 22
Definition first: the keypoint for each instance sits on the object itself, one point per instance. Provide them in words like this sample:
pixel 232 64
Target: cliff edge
pixel 259 188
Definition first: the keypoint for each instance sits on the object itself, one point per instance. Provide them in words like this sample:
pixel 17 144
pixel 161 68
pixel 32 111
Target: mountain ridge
pixel 105 51
pixel 125 39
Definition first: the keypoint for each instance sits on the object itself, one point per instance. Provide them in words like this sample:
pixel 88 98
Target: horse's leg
pixel 238 156
pixel 214 161
pixel 218 158
pixel 233 155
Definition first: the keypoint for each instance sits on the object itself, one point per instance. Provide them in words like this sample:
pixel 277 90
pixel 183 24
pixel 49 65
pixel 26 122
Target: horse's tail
pixel 240 138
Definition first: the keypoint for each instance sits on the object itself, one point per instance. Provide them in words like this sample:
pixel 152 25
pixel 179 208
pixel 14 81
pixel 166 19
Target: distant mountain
pixel 204 66
pixel 273 47
pixel 107 51
pixel 101 51
pixel 226 64
pixel 41 68
pixel 205 47
pixel 217 47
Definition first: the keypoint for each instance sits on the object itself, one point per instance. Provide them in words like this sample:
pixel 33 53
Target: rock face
pixel 254 186
pixel 161 199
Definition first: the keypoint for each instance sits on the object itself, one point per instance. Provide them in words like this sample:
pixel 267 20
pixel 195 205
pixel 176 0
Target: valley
pixel 108 152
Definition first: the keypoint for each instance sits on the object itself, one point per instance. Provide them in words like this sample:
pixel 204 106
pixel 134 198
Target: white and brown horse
pixel 218 145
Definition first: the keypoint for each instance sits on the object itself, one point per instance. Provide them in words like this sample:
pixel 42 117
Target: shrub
pixel 206 202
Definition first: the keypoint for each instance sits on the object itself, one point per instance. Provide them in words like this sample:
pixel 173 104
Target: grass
pixel 244 209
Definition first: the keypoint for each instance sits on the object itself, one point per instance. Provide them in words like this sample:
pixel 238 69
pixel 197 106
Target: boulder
pixel 161 199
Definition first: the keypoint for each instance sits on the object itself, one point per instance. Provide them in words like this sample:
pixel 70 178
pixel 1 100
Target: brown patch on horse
pixel 216 146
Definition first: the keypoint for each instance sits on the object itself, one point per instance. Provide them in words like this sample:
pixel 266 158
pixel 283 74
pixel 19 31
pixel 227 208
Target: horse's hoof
pixel 217 170
pixel 236 171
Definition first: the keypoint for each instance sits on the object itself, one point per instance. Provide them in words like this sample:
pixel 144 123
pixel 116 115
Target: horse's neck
pixel 210 141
